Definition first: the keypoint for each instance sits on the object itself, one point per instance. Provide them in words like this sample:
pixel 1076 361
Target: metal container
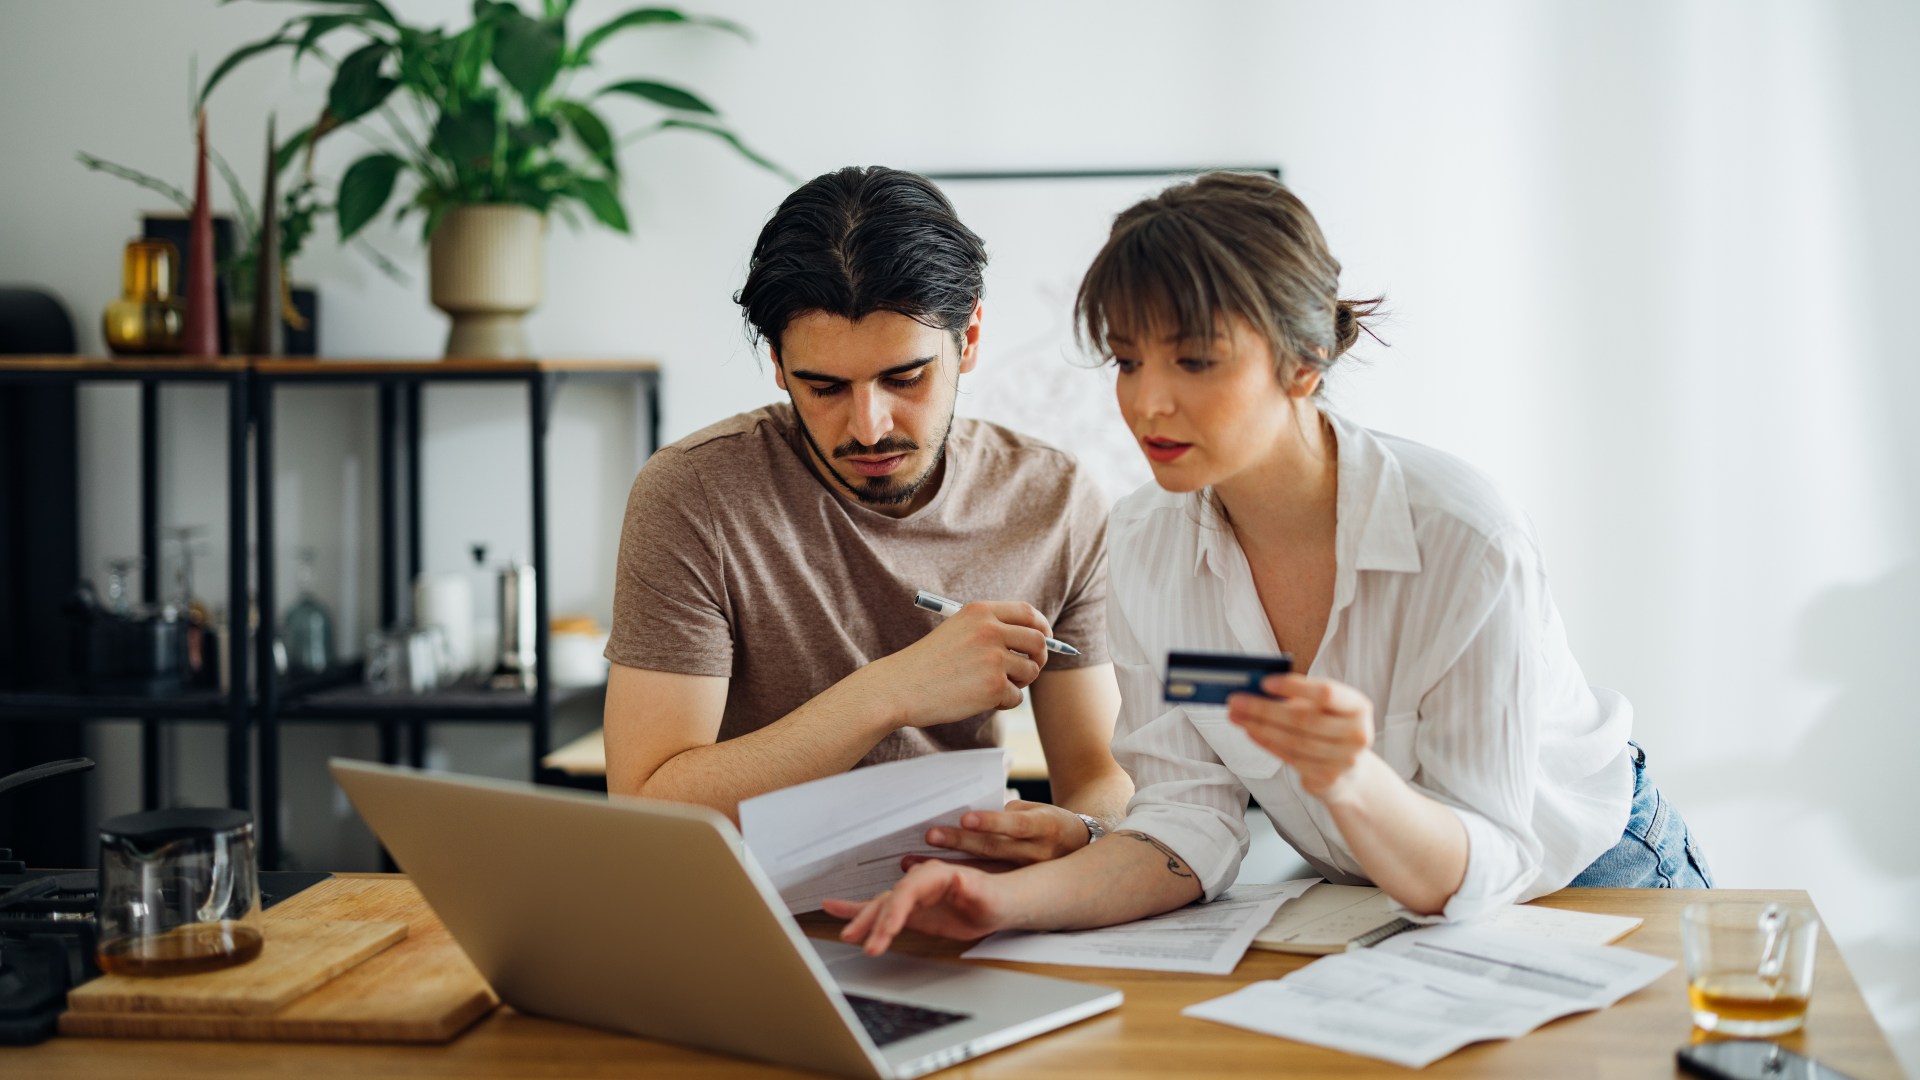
pixel 515 667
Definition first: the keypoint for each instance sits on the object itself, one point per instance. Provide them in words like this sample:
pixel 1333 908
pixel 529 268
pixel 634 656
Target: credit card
pixel 1204 678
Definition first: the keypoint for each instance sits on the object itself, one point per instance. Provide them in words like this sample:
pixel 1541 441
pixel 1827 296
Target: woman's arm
pixel 1410 845
pixel 1128 875
pixel 1460 840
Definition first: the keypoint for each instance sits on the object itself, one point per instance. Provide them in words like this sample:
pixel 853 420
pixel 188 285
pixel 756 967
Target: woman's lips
pixel 1164 449
pixel 877 466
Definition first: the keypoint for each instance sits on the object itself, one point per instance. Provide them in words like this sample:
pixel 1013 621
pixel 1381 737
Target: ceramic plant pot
pixel 487 271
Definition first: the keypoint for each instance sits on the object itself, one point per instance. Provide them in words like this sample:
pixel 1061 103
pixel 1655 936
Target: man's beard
pixel 878 490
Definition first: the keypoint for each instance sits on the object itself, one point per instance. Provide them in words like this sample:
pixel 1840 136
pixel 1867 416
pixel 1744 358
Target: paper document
pixel 843 837
pixel 1337 918
pixel 1206 938
pixel 1421 995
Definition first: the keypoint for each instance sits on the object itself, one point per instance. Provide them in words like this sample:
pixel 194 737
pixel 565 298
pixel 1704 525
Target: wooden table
pixel 1146 1037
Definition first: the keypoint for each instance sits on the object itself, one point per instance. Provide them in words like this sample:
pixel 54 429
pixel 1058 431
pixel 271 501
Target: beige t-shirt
pixel 736 559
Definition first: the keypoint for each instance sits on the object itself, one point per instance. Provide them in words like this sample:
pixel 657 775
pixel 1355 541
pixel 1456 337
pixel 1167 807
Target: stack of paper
pixel 1421 995
pixel 1207 938
pixel 843 837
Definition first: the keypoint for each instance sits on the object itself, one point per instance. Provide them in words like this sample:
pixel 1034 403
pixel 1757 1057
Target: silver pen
pixel 942 606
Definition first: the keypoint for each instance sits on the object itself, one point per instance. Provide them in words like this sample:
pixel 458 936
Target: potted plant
pixel 498 140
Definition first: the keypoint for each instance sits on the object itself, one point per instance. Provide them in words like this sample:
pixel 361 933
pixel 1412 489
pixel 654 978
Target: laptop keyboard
pixel 891 1021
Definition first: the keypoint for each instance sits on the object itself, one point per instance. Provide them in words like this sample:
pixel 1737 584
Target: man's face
pixel 875 399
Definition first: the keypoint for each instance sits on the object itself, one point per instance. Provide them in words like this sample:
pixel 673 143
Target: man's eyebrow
pixel 897 369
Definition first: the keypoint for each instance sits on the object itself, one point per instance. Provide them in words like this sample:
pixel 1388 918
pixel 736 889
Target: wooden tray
pixel 297 957
pixel 423 989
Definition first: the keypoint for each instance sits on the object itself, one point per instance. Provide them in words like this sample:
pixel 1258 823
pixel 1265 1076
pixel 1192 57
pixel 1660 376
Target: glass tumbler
pixel 1749 966
pixel 175 886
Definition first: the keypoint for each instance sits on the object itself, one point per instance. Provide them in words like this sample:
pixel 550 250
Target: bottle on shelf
pixel 309 626
pixel 199 640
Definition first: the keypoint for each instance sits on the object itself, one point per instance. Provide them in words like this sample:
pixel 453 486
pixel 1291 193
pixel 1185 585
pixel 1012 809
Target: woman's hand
pixel 935 897
pixel 1320 727
pixel 1023 833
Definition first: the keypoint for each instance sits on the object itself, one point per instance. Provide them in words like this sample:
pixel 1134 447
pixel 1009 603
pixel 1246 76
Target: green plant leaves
pixel 732 140
pixel 372 8
pixel 466 136
pixel 527 52
pixel 289 150
pixel 490 124
pixel 240 56
pixel 319 26
pixel 145 180
pixel 671 97
pixel 358 87
pixel 592 132
pixel 601 199
pixel 364 190
pixel 640 17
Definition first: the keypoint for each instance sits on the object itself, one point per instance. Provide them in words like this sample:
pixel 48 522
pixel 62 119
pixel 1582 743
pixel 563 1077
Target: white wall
pixel 1650 265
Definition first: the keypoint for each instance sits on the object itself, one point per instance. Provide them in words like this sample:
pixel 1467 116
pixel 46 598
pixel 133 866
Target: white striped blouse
pixel 1441 616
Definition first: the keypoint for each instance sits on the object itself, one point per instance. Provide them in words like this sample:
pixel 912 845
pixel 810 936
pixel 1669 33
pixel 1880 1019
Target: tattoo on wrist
pixel 1174 866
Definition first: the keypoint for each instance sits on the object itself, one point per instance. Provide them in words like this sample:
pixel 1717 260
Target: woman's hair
pixel 1219 245
pixel 860 240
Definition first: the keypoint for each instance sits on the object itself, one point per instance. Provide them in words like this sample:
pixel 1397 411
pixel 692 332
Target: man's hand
pixel 1320 727
pixel 1024 833
pixel 935 897
pixel 979 659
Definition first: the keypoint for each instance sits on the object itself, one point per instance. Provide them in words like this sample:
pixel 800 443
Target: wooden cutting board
pixel 296 957
pixel 423 989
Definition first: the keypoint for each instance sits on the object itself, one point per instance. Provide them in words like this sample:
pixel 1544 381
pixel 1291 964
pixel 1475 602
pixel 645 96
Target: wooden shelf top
pixel 282 367
pixel 285 367
pixel 126 365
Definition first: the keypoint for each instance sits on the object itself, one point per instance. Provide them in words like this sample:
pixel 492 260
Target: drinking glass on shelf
pixel 309 632
pixel 1749 966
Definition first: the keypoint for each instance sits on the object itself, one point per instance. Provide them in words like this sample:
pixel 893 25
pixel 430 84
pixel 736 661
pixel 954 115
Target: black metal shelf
pixel 231 706
pixel 466 702
pixel 335 697
pixel 185 705
pixel 399 386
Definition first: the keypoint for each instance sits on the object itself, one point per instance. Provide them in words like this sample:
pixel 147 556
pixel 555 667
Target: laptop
pixel 652 918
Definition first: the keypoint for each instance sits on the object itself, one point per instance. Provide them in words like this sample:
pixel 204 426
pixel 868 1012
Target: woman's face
pixel 1202 411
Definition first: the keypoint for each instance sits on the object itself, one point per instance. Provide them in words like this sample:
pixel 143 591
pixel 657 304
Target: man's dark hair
pixel 860 240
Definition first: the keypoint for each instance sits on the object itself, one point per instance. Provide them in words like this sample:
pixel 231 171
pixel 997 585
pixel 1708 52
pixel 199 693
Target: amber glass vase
pixel 148 316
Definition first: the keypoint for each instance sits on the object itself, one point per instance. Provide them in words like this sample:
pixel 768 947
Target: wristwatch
pixel 1095 830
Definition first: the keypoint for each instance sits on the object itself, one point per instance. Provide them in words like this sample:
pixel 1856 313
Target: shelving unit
pixel 399 386
pixel 232 706
pixel 338 697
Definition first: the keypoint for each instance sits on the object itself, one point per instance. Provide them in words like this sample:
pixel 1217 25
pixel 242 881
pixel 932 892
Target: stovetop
pixel 49 934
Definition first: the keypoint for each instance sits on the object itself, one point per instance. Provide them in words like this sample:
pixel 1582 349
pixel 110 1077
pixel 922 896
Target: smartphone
pixel 1751 1059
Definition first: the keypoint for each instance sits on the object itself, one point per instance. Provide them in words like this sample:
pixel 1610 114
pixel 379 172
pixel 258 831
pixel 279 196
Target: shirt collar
pixel 1375 520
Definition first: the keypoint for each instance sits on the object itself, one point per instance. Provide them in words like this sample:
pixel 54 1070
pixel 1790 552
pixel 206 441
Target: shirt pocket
pixel 1235 748
pixel 1394 742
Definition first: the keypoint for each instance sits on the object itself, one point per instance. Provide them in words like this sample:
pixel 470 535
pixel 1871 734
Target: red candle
pixel 201 336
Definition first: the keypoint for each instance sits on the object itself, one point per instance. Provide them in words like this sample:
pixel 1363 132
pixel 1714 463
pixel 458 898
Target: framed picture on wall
pixel 1042 229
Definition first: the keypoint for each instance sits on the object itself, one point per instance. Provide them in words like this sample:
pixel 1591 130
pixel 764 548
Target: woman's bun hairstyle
pixel 1220 245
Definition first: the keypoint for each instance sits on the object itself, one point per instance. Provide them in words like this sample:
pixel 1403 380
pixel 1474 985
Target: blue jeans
pixel 1657 851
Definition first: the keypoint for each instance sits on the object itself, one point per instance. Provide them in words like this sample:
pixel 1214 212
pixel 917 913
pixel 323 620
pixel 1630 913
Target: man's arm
pixel 662 726
pixel 1074 711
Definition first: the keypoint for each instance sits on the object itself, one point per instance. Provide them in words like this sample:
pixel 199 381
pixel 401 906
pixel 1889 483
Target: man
pixel 764 627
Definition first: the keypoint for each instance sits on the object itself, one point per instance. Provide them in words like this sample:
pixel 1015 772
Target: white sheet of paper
pixel 1205 938
pixel 844 836
pixel 1421 995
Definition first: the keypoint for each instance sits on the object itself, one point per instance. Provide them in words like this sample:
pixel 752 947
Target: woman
pixel 1437 738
